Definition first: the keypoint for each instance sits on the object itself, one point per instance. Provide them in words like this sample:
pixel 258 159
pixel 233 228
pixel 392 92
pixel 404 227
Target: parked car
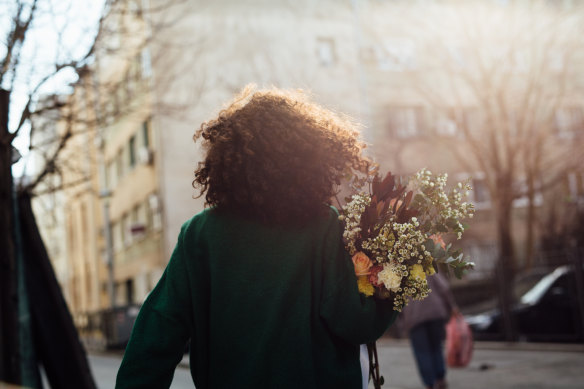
pixel 549 311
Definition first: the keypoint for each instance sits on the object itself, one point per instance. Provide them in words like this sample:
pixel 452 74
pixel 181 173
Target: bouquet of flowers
pixel 395 233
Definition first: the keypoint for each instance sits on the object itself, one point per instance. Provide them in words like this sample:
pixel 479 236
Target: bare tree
pixel 509 79
pixel 58 73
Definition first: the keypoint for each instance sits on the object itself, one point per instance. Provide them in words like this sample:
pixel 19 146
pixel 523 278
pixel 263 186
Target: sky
pixel 61 30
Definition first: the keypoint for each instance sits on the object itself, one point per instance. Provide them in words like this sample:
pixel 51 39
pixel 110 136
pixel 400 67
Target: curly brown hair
pixel 275 156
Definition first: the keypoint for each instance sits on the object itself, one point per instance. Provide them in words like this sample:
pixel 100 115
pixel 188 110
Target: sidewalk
pixel 494 365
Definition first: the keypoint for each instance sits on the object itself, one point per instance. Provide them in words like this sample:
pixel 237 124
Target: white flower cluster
pixel 416 289
pixel 382 244
pixel 445 208
pixel 424 177
pixel 353 211
pixel 410 243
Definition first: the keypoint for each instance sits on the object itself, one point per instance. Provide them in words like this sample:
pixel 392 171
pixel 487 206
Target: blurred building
pixel 66 203
pixel 49 203
pixel 446 78
pixel 167 67
pixel 128 167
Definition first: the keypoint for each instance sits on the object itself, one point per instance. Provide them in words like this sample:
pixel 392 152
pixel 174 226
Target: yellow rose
pixel 365 286
pixel 430 270
pixel 362 263
pixel 417 272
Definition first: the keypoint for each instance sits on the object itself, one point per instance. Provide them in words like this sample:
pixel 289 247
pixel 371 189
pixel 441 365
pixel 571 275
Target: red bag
pixel 459 341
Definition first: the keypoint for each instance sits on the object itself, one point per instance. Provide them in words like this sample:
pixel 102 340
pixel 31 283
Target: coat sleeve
pixel 443 290
pixel 347 313
pixel 161 330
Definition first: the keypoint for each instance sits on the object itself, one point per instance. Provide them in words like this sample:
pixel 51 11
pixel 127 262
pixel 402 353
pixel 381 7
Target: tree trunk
pixel 9 356
pixel 529 242
pixel 505 266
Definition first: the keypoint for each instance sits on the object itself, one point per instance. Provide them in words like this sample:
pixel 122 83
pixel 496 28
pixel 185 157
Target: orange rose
pixel 437 238
pixel 362 264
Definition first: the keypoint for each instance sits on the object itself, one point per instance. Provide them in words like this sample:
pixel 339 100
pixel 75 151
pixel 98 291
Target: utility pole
pixel 105 193
pixel 107 229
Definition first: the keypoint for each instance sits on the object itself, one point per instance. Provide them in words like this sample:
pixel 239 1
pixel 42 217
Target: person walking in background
pixel 425 321
pixel 261 281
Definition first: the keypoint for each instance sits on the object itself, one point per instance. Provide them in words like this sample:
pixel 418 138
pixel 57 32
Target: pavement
pixel 494 365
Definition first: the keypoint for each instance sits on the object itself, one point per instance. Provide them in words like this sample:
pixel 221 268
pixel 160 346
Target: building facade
pixel 173 68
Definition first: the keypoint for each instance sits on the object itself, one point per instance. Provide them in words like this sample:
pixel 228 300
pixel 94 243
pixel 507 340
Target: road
pixel 493 366
pixel 105 368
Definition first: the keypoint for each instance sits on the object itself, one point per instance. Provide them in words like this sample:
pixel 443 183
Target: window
pixel 481 191
pixel 121 294
pixel 325 48
pixel 480 194
pixel 129 291
pixel 446 127
pixel 132 151
pixel 142 215
pixel 406 122
pixel 145 133
pixel 146 63
pixel 117 236
pixel 575 185
pixel 521 188
pixel 569 122
pixel 155 212
pixel 135 8
pixel 118 166
pixel 446 124
pixel 397 55
pixel 112 178
pixel 126 231
pixel 137 223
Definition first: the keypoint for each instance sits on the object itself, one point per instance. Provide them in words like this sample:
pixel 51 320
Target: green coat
pixel 264 307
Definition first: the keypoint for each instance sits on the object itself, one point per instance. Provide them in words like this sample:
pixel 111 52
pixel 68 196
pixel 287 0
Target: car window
pixel 567 282
pixel 524 282
pixel 540 288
